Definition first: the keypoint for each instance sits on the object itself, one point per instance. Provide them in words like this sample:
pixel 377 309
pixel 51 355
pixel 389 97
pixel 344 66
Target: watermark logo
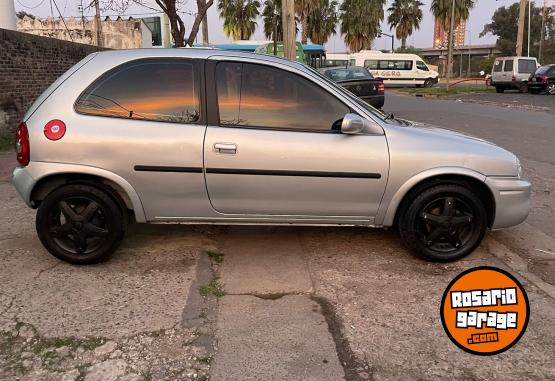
pixel 485 310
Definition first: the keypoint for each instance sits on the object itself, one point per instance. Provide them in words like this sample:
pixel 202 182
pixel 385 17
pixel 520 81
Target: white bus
pixel 396 69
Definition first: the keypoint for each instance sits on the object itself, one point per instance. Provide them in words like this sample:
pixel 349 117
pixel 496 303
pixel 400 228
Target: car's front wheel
pixel 80 224
pixel 443 223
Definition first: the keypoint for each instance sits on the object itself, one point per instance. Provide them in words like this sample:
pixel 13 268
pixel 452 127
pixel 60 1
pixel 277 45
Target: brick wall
pixel 28 65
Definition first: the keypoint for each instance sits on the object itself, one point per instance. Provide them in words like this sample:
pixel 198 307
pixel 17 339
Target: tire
pixel 429 82
pixel 499 89
pixel 444 223
pixel 550 89
pixel 523 88
pixel 80 224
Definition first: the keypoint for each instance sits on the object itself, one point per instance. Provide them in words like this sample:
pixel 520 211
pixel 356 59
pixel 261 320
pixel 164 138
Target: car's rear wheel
pixel 444 223
pixel 80 224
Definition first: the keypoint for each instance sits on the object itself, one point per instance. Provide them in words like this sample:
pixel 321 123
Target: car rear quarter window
pixel 163 90
pixel 498 66
pixel 508 65
pixel 526 66
pixel 251 95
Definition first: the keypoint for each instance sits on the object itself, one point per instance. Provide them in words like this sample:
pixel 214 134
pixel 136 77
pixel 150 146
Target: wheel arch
pixel 462 176
pixel 118 188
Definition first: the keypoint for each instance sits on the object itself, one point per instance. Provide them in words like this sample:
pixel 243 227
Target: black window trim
pixel 251 127
pixel 198 80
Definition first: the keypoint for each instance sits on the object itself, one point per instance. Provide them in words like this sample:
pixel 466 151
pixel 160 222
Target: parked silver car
pixel 206 136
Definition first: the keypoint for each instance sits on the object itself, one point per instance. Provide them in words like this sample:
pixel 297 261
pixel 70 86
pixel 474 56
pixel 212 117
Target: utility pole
pixel 289 33
pixel 542 34
pixel 97 24
pixel 451 43
pixel 520 33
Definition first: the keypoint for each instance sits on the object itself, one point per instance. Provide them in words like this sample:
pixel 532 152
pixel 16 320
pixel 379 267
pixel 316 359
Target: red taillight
pixel 545 78
pixel 22 147
pixel 381 87
pixel 514 78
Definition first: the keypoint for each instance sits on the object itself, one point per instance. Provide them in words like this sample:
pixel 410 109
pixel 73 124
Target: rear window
pixel 163 90
pixel 498 66
pixel 526 66
pixel 509 65
pixel 341 74
pixel 543 70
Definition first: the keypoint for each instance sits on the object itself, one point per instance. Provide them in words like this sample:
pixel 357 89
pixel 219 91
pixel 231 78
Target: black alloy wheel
pixel 444 223
pixel 80 224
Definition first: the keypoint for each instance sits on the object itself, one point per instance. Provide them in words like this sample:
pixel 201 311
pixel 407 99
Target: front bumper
pixel 512 200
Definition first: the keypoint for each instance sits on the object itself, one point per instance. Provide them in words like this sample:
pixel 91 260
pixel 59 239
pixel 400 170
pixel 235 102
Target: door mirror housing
pixel 355 124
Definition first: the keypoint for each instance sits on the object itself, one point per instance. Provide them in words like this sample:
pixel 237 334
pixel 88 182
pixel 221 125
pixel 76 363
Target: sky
pixel 422 38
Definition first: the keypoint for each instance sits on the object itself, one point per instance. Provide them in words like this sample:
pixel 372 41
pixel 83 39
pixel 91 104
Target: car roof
pixel 200 53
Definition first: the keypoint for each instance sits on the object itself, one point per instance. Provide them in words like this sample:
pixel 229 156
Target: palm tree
pixel 321 21
pixel 360 22
pixel 405 17
pixel 271 16
pixel 302 9
pixel 239 16
pixel 441 10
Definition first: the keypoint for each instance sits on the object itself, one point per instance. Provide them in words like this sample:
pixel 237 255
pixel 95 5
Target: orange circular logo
pixel 485 310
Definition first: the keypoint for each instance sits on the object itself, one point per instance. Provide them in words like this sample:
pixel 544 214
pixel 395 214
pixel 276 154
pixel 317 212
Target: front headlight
pixel 518 168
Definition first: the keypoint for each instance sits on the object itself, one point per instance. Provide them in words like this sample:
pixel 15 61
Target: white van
pixel 339 59
pixel 512 73
pixel 401 69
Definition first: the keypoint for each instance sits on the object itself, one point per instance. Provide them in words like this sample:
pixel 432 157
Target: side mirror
pixel 355 124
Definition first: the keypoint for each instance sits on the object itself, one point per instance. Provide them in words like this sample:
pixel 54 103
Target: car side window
pixel 251 95
pixel 163 90
pixel 498 66
pixel 526 66
pixel 508 65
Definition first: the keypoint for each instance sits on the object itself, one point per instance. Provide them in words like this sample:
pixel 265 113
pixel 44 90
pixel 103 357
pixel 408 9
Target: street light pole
pixel 529 2
pixel 451 40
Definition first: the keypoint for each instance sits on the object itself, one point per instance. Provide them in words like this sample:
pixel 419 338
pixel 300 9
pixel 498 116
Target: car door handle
pixel 225 148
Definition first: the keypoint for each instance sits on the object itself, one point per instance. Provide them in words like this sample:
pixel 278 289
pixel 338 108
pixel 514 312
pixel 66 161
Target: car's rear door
pixel 272 152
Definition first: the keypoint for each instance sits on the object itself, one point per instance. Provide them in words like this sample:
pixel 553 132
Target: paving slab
pixel 264 261
pixel 282 339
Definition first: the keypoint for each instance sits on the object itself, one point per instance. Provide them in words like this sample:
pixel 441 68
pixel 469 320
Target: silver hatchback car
pixel 205 136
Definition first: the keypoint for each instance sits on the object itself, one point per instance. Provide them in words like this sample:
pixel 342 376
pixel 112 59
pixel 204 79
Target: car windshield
pixel 543 70
pixel 350 73
pixel 383 117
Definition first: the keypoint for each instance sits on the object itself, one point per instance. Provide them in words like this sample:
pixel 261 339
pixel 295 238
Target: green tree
pixel 239 16
pixel 504 25
pixel 321 21
pixel 405 17
pixel 360 22
pixel 441 9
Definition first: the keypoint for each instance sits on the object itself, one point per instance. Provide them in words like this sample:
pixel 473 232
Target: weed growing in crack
pixel 216 256
pixel 213 288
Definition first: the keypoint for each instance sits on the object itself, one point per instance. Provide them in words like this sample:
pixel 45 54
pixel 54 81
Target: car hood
pixel 430 145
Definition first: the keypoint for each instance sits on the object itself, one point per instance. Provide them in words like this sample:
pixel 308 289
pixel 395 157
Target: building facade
pixel 441 36
pixel 116 34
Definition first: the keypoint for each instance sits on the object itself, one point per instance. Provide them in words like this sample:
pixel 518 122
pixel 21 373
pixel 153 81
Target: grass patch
pixel 215 256
pixel 213 288
pixel 441 91
pixel 6 143
pixel 203 378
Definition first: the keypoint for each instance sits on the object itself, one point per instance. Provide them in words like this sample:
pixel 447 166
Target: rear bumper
pixel 537 85
pixel 512 200
pixel 23 183
pixel 374 100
